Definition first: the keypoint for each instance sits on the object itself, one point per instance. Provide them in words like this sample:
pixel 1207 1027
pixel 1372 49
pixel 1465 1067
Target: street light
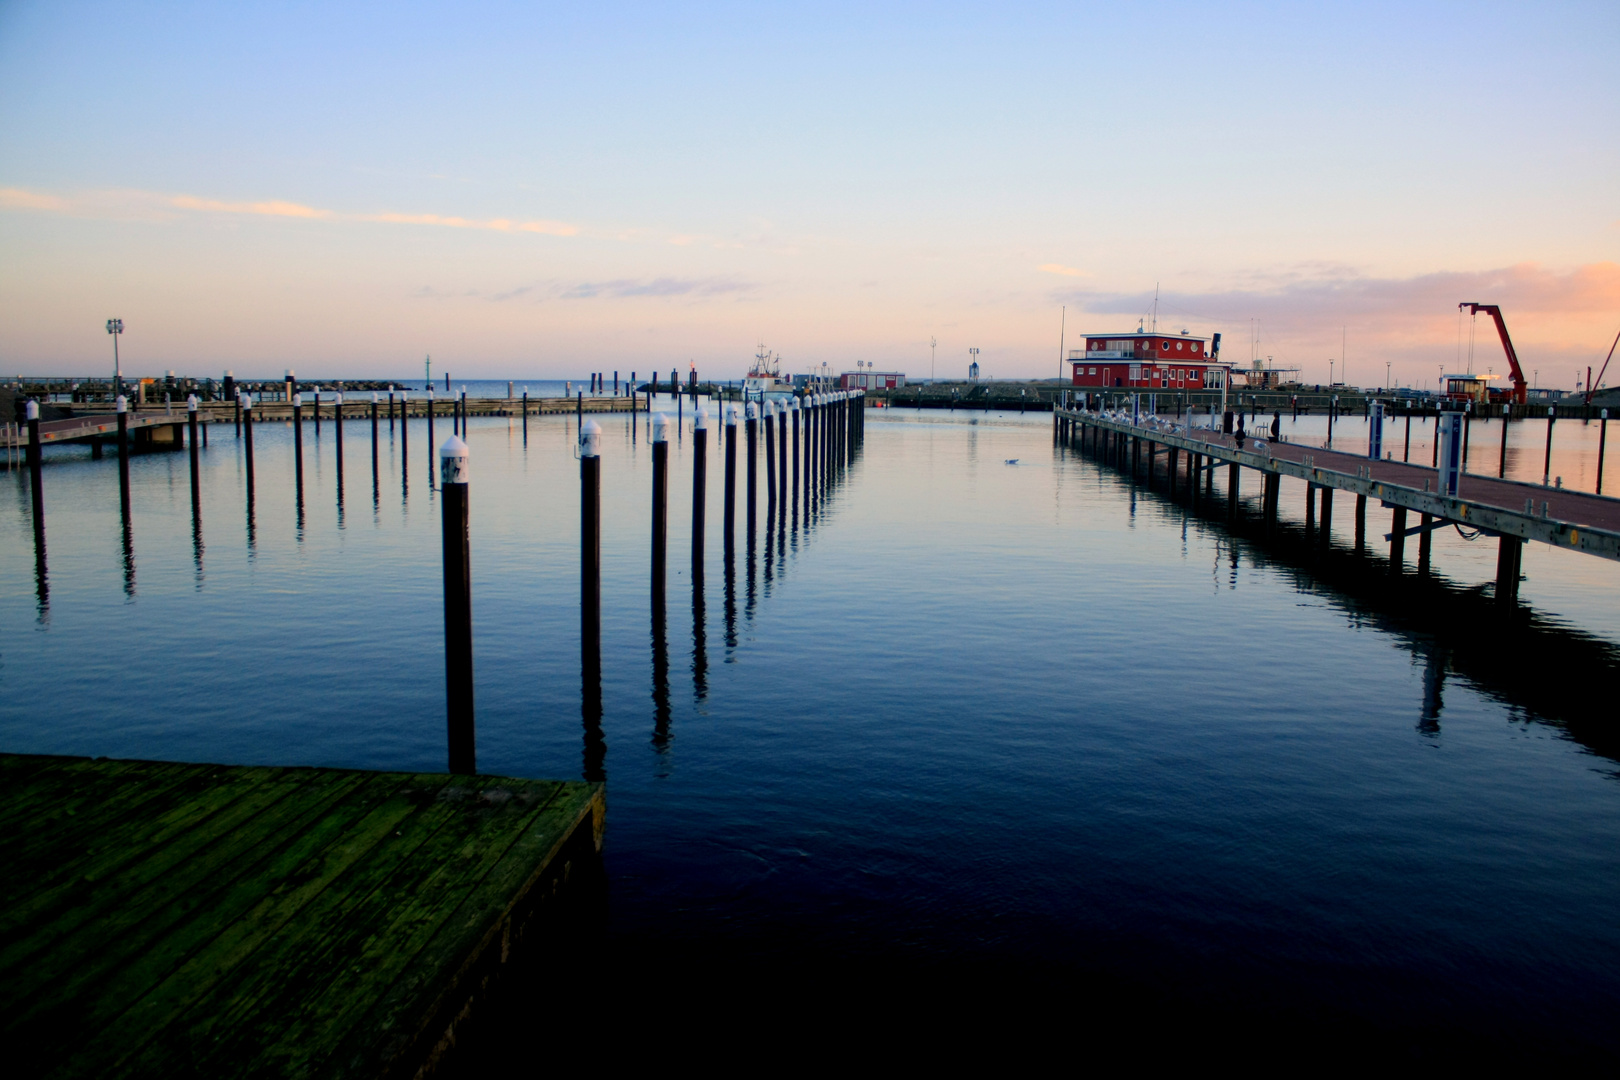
pixel 933 344
pixel 116 327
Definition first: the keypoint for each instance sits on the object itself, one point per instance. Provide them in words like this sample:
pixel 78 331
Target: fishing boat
pixel 764 379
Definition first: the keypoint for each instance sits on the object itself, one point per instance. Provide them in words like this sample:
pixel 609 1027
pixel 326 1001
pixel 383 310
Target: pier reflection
pixel 660 680
pixel 700 649
pixel 42 577
pixel 128 534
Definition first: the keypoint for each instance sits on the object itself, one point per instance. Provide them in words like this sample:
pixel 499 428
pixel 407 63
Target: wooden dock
pixel 182 920
pixel 1509 510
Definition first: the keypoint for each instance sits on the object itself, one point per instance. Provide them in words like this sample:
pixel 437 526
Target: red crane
pixel 1519 394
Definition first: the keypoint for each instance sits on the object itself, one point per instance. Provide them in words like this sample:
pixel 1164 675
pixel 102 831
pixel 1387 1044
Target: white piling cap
pixel 463 391
pixel 404 394
pixel 752 412
pixel 793 404
pixel 121 403
pixel 298 399
pixel 246 399
pixel 660 426
pixel 731 416
pixel 191 403
pixel 700 419
pixel 430 393
pixel 453 458
pixel 374 397
pixel 590 439
pixel 289 373
pixel 338 397
pixel 33 410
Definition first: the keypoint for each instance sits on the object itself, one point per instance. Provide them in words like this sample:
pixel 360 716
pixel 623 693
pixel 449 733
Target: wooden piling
pixel 1509 558
pixel 700 483
pixel 36 480
pixel 1546 461
pixel 247 441
pixel 730 510
pixel 751 423
pixel 660 507
pixel 458 641
pixel 1397 541
pixel 590 544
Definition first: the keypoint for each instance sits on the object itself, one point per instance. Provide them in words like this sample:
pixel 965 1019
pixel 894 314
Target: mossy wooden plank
pixel 316 1022
pixel 154 921
pixel 295 910
pixel 216 920
pixel 93 817
pixel 402 909
pixel 314 941
pixel 66 791
pixel 367 1038
pixel 111 879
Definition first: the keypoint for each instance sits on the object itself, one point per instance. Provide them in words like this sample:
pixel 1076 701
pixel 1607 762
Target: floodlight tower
pixel 116 327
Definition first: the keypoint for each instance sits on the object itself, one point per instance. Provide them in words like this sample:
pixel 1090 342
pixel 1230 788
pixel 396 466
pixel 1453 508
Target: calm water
pixel 967 713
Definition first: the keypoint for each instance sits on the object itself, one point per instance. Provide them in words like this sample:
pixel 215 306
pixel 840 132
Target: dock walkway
pixel 1511 510
pixel 177 920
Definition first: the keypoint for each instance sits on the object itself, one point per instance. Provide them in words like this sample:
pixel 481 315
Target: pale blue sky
pixel 259 186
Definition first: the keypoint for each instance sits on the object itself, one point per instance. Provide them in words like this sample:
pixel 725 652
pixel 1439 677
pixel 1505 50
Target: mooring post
pixel 1310 512
pixel 660 506
pixel 1361 524
pixel 751 423
pixel 793 407
pixel 317 412
pixel 700 484
pixel 1509 557
pixel 730 515
pixel 374 440
pixel 1397 540
pixel 590 543
pixel 121 404
pixel 337 425
pixel 1406 451
pixel 1546 461
pixel 432 406
pixel 769 432
pixel 390 410
pixel 298 441
pixel 782 453
pixel 1424 523
pixel 247 439
pixel 458 639
pixel 1501 458
pixel 525 416
pixel 1603 443
pixel 405 437
pixel 191 424
pixel 36 453
pixel 238 415
pixel 462 400
pixel 1326 538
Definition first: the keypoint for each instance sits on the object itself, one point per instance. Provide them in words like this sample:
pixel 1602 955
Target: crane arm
pixel 1495 312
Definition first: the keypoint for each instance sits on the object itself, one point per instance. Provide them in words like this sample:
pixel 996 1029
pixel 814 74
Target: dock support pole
pixel 1424 522
pixel 122 405
pixel 590 552
pixel 751 426
pixel 298 442
pixel 660 507
pixel 1546 461
pixel 1509 557
pixel 191 424
pixel 768 421
pixel 782 455
pixel 1310 512
pixel 458 643
pixel 36 482
pixel 337 433
pixel 700 486
pixel 1397 541
pixel 1406 451
pixel 1603 444
pixel 1361 524
pixel 1326 539
pixel 404 438
pixel 247 440
pixel 374 442
pixel 431 405
pixel 730 516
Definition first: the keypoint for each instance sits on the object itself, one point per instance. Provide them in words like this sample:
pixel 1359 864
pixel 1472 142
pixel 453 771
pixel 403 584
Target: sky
pixel 532 190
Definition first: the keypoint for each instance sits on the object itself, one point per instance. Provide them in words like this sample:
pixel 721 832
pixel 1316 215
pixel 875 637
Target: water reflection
pixel 1434 681
pixel 42 577
pixel 700 650
pixel 660 681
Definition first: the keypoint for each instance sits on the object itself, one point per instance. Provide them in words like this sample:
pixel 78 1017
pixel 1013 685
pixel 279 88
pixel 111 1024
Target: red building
pixel 1149 361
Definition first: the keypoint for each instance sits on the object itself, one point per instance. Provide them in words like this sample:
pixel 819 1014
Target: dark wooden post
pixel 458 639
pixel 769 424
pixel 432 403
pixel 390 412
pixel 751 423
pixel 700 485
pixel 793 407
pixel 1361 524
pixel 525 416
pixel 730 517
pixel 1406 451
pixel 1327 518
pixel 404 437
pixel 590 545
pixel 1546 461
pixel 1509 555
pixel 1310 512
pixel 238 416
pixel 337 424
pixel 1603 444
pixel 1501 458
pixel 298 441
pixel 1232 481
pixel 36 481
pixel 660 506
pixel 247 439
pixel 1397 541
pixel 122 405
pixel 191 424
pixel 1424 523
pixel 374 442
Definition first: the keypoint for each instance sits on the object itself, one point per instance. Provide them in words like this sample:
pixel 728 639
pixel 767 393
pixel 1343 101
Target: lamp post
pixel 933 343
pixel 116 327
